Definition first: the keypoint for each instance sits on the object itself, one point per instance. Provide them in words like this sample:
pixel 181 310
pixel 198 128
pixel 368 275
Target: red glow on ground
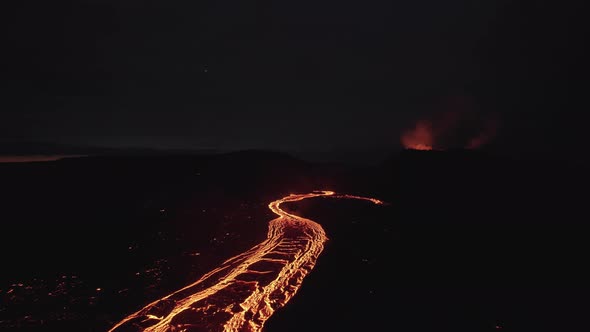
pixel 34 158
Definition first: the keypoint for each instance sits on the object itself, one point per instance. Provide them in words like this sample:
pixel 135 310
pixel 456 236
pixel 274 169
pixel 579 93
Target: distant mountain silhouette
pixel 24 148
pixel 43 148
pixel 260 156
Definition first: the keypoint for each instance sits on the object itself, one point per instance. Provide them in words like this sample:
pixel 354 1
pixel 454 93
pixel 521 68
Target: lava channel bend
pixel 245 290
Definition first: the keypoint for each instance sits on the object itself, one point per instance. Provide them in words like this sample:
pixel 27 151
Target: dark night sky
pixel 296 74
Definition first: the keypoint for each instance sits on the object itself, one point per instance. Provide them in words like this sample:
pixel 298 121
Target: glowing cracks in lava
pixel 372 200
pixel 242 293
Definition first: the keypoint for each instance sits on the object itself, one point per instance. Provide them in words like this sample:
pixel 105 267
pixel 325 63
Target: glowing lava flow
pixel 242 293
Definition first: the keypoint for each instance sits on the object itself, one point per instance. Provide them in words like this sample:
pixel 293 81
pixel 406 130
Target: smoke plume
pixel 451 130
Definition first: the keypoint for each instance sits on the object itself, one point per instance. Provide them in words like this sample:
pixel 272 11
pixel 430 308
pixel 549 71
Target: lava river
pixel 242 293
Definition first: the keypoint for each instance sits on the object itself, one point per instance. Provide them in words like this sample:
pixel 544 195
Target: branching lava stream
pixel 242 293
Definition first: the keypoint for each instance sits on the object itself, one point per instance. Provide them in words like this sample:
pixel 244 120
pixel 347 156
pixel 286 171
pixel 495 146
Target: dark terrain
pixel 469 242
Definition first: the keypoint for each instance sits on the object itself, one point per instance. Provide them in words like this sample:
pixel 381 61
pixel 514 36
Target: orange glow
pixel 451 129
pixel 419 138
pixel 242 293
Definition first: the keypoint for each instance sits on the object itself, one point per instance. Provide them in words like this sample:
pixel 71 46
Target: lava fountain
pixel 245 290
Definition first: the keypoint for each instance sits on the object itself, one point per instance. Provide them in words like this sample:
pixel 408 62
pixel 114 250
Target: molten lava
pixel 242 293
